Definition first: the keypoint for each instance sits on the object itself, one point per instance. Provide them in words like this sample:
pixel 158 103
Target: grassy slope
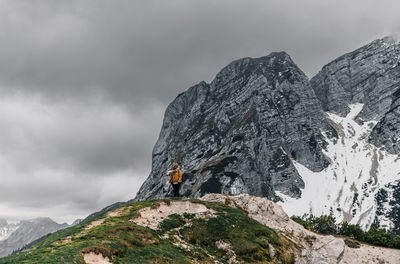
pixel 127 242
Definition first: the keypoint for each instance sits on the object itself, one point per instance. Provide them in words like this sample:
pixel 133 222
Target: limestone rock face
pixel 368 75
pixel 387 132
pixel 242 132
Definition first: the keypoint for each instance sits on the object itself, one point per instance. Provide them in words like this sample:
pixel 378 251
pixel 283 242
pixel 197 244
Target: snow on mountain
pixel 6 229
pixel 20 234
pixel 5 232
pixel 347 188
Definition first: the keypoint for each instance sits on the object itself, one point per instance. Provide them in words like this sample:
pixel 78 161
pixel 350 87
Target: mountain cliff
pixel 369 75
pixel 242 132
pixel 324 146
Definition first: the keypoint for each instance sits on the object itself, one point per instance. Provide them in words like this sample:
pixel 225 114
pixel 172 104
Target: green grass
pixel 173 221
pixel 124 241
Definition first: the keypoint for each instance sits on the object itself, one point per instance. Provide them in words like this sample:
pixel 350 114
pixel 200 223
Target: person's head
pixel 175 165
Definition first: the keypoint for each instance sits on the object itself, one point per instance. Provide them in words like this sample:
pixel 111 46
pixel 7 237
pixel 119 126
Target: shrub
pixel 188 216
pixel 352 243
pixel 327 225
pixel 173 221
pixel 353 231
pixel 324 224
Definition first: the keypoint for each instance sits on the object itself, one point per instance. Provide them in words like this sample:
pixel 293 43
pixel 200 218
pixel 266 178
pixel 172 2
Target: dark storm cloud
pixel 84 83
pixel 130 50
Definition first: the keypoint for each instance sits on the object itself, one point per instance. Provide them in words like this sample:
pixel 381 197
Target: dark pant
pixel 176 187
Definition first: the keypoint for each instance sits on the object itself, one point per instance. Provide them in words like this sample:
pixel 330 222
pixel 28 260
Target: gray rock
pixel 241 132
pixel 387 132
pixel 368 75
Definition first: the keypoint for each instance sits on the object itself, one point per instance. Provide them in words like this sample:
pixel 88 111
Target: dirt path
pixel 93 258
pixel 152 217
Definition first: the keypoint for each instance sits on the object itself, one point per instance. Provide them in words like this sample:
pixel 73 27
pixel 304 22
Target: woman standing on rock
pixel 176 178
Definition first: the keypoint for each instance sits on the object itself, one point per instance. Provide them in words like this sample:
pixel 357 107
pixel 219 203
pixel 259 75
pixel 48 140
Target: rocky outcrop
pixel 387 207
pixel 241 132
pixel 387 132
pixel 316 248
pixel 368 75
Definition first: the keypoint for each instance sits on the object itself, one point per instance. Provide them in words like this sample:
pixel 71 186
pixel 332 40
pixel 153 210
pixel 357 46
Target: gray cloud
pixel 84 83
pixel 130 50
pixel 75 155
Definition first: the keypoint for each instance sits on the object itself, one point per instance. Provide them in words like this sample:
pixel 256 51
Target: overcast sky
pixel 84 84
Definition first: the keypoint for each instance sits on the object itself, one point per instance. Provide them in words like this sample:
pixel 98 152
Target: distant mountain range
pixel 329 145
pixel 6 229
pixel 17 235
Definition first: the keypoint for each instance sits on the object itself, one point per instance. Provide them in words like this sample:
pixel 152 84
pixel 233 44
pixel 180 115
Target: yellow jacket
pixel 176 176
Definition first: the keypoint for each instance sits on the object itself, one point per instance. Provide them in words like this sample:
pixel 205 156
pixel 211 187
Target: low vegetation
pixel 178 239
pixel 326 224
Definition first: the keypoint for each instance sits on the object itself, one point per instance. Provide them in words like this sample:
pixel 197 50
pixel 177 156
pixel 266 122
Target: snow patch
pixel 347 188
pixel 6 231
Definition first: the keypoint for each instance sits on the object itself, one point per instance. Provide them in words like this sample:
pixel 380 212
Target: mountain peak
pixel 232 133
pixel 367 75
pixel 39 220
pixel 392 38
pixel 275 66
